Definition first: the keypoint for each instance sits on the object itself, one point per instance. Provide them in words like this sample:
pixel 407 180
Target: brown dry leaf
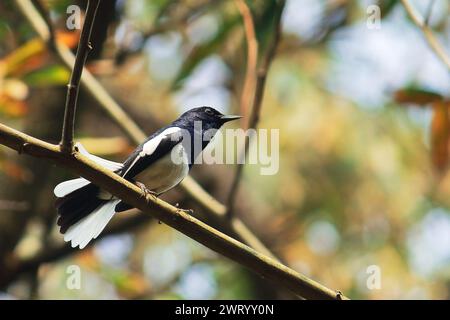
pixel 15 171
pixel 87 259
pixel 11 107
pixel 416 96
pixel 69 38
pixel 440 129
pixel 105 67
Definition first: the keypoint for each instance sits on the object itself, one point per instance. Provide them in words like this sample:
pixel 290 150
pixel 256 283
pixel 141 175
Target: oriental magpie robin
pixel 157 165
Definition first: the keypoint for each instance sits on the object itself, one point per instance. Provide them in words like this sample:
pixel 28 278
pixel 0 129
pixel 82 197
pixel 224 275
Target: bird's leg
pixel 188 211
pixel 146 191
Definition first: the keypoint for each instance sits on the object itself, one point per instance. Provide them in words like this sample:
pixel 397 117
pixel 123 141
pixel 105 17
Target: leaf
pixel 199 53
pixel 386 6
pixel 12 107
pixel 87 259
pixel 416 96
pixel 14 171
pixel 58 6
pixel 130 285
pixel 69 38
pixel 33 54
pixel 440 129
pixel 264 19
pixel 47 76
pixel 26 57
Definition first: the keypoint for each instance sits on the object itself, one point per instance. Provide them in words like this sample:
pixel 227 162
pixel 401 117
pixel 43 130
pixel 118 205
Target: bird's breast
pixel 166 172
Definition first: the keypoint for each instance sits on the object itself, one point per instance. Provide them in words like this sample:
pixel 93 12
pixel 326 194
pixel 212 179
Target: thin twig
pixel 257 105
pixel 84 46
pixel 428 13
pixel 45 15
pixel 433 42
pixel 213 208
pixel 163 211
pixel 252 58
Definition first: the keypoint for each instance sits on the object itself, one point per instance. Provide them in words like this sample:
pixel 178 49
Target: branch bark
pixel 172 216
pixel 430 37
pixel 252 57
pixel 84 46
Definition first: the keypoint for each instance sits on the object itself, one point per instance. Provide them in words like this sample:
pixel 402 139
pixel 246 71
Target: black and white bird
pixel 160 163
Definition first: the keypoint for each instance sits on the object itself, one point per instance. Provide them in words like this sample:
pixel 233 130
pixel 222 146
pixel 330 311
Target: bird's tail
pixel 82 213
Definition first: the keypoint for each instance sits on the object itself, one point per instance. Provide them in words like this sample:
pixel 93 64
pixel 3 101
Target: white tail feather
pixel 111 165
pixel 66 187
pixel 88 228
pixel 69 186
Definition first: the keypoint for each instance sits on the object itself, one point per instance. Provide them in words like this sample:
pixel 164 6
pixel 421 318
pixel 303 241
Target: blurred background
pixel 364 131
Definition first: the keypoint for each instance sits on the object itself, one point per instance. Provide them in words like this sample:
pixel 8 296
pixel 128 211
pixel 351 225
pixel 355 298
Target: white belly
pixel 166 173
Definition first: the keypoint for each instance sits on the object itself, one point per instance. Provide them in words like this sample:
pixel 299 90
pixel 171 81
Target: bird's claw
pixel 188 211
pixel 146 191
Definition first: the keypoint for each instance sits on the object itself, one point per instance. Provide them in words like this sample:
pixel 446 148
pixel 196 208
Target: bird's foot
pixel 146 191
pixel 188 211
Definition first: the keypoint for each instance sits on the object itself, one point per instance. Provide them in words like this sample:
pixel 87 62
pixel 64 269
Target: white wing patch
pixel 150 146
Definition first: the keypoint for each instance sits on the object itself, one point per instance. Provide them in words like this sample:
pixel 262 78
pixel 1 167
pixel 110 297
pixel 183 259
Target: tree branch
pixel 433 42
pixel 213 208
pixel 172 216
pixel 84 46
pixel 252 57
pixel 257 105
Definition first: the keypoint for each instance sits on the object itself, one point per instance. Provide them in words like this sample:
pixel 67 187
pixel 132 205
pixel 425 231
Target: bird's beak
pixel 229 118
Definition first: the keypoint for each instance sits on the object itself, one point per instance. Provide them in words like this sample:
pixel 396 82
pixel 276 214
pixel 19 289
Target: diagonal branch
pixel 430 37
pixel 213 208
pixel 172 216
pixel 84 46
pixel 257 104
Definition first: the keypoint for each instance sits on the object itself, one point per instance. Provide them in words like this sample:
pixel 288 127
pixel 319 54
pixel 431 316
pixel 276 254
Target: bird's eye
pixel 209 111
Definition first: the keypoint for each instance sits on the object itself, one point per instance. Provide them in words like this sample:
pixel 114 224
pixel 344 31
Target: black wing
pixel 140 159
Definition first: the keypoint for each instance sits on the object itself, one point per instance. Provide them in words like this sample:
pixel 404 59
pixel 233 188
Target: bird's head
pixel 209 117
